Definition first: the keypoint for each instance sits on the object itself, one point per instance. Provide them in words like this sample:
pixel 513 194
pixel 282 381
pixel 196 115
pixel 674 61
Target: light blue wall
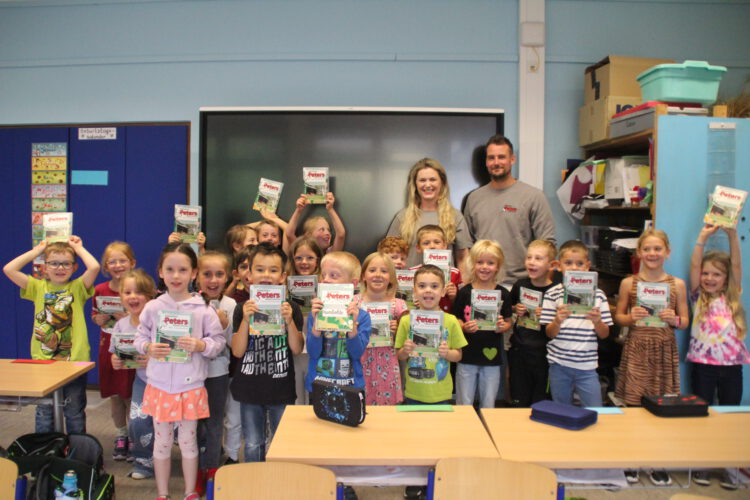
pixel 102 61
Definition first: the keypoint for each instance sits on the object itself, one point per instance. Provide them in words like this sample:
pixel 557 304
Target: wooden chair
pixel 485 478
pixel 277 480
pixel 8 476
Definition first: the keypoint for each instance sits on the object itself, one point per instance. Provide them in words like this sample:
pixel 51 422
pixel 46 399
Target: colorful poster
pixel 49 205
pixel 49 191
pixel 49 163
pixel 49 149
pixel 49 177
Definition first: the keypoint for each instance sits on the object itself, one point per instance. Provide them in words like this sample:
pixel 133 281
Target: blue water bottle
pixel 68 490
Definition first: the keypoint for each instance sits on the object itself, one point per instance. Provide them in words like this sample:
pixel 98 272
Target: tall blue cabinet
pixel 146 174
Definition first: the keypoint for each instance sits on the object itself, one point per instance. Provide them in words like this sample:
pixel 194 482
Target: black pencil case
pixel 341 404
pixel 561 415
pixel 675 405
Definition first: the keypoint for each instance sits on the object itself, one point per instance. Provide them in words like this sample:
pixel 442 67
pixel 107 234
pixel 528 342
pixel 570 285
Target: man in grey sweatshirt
pixel 507 210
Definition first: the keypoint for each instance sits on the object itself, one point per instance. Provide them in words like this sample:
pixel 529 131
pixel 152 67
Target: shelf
pixel 629 143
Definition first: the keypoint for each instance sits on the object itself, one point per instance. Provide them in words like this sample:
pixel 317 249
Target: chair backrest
pixel 277 480
pixel 483 478
pixel 8 476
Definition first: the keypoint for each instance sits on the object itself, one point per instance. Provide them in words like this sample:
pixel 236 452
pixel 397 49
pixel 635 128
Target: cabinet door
pixel 684 161
pixel 98 208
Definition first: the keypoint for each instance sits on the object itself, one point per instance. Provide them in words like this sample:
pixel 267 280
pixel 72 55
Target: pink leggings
pixel 186 437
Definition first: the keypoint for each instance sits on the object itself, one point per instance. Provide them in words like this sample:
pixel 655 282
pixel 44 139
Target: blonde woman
pixel 429 203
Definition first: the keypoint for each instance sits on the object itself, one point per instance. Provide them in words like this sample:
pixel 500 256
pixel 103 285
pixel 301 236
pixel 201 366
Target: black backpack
pixel 46 457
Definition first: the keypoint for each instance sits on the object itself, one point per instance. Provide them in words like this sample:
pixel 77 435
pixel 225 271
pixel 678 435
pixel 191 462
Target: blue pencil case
pixel 562 415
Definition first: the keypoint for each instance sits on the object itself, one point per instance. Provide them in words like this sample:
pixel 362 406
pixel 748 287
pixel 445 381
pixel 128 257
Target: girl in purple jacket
pixel 178 331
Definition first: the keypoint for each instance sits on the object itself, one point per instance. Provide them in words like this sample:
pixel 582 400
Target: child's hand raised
pixel 451 290
pixel 39 248
pixel 249 308
pixel 330 200
pixel 174 238
pixel 443 349
pixel 301 202
pixel 706 231
pixel 75 242
pixel 316 305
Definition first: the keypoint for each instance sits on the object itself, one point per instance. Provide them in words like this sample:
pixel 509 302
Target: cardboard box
pixel 593 118
pixel 616 76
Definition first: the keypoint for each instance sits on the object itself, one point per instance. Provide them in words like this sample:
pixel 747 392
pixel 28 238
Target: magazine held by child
pixel 316 184
pixel 267 320
pixel 653 297
pixel 426 331
pixel 109 305
pixel 187 222
pixel 405 279
pixel 125 349
pixel 336 298
pixel 441 259
pixel 57 226
pixel 302 289
pixel 532 299
pixel 380 321
pixel 580 290
pixel 725 206
pixel 171 326
pixel 269 193
pixel 485 305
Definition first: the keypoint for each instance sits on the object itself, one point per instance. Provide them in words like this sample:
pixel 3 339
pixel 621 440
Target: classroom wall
pixel 73 61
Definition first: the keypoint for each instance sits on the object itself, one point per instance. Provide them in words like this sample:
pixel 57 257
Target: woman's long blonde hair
pixel 413 211
pixel 732 291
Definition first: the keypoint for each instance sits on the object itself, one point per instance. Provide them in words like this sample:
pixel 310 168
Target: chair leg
pixel 560 491
pixel 210 489
pixel 431 483
pixel 339 491
pixel 21 484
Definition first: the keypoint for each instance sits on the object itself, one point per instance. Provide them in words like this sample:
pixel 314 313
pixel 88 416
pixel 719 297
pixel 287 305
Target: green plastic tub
pixel 691 81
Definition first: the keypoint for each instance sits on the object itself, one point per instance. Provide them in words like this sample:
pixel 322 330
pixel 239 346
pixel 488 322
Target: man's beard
pixel 501 177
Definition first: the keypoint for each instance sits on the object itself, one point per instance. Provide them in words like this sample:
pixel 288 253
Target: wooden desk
pixel 26 380
pixel 387 437
pixel 634 439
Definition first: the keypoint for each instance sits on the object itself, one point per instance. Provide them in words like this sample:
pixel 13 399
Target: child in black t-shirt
pixel 263 382
pixel 527 357
pixel 481 362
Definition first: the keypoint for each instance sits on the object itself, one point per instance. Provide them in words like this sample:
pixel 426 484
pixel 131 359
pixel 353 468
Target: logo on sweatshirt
pixel 509 209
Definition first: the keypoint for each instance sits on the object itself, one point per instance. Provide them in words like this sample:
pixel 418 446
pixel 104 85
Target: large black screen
pixel 369 154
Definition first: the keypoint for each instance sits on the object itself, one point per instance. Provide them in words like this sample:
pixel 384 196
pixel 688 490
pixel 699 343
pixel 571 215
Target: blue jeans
pixel 211 429
pixel 141 432
pixel 74 399
pixel 564 380
pixel 257 420
pixel 487 377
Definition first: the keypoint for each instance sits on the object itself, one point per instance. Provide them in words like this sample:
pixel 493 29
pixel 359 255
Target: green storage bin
pixel 691 81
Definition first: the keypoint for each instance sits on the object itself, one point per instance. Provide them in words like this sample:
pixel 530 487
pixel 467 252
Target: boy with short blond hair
pixel 333 357
pixel 396 248
pixel 432 237
pixel 572 352
pixel 527 357
pixel 59 322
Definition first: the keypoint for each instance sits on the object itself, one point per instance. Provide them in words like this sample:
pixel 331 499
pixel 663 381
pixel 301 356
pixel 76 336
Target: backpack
pixel 48 456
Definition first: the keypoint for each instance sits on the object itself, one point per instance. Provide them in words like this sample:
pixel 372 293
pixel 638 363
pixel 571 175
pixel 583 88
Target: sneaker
pixel 632 476
pixel 729 480
pixel 121 448
pixel 659 477
pixel 230 461
pixel 140 474
pixel 702 477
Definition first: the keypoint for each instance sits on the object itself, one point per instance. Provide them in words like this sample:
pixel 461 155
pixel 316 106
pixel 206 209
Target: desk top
pixel 387 437
pixel 38 380
pixel 635 438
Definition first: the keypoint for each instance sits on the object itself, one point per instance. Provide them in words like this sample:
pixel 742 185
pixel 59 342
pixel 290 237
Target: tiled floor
pixel 14 424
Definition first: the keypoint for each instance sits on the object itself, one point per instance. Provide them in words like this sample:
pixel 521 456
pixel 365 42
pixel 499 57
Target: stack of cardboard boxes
pixel 610 86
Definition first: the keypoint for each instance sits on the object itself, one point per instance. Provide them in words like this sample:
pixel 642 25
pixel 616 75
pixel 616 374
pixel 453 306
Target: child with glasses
pixel 59 322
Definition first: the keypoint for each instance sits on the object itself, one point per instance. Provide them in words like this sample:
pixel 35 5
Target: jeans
pixel 722 381
pixel 468 376
pixel 232 427
pixel 210 429
pixel 259 423
pixel 141 432
pixel 74 401
pixel 408 401
pixel 564 380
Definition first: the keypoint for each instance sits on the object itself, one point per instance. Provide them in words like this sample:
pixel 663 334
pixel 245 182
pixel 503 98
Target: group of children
pixel 243 395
